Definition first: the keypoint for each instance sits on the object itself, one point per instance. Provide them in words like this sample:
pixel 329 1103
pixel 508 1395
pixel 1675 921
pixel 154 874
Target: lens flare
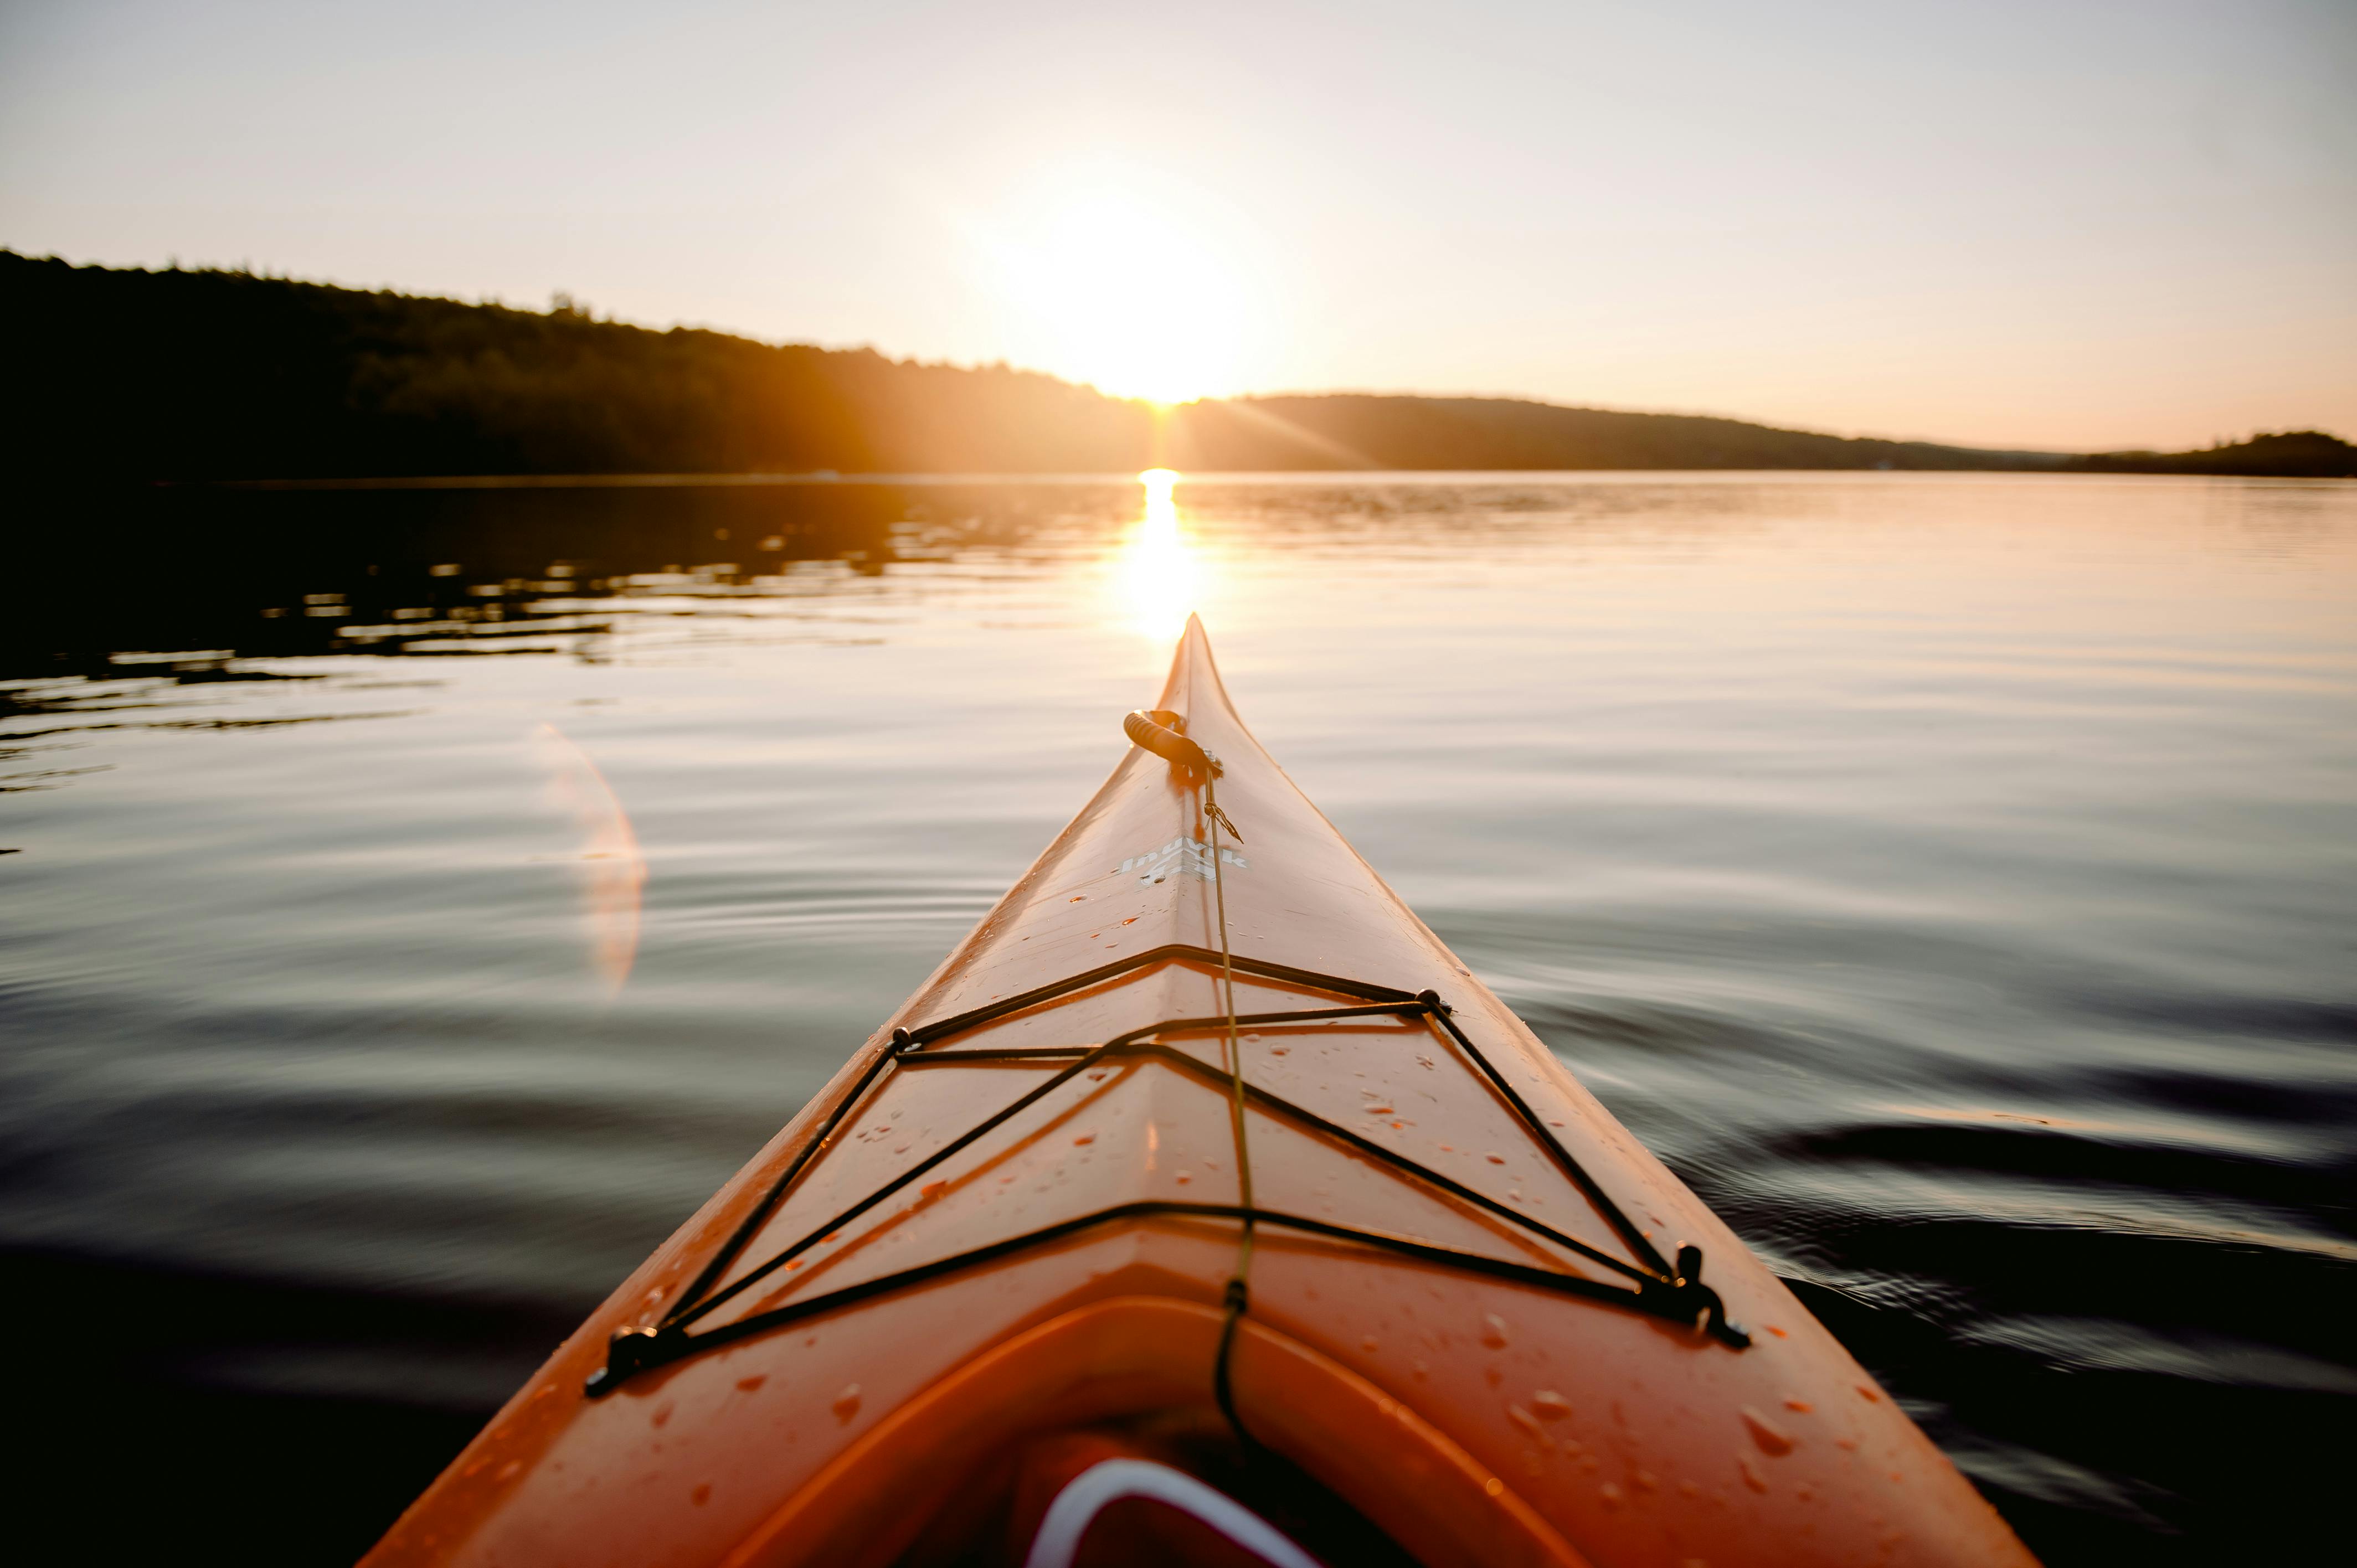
pixel 613 871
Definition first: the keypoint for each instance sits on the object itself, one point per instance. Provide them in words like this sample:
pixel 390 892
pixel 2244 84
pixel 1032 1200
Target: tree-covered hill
pixel 224 375
pixel 1359 430
pixel 2290 454
pixel 117 374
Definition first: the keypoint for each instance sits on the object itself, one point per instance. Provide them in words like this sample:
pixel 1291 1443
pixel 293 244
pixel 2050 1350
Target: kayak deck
pixel 1653 1284
pixel 1461 1299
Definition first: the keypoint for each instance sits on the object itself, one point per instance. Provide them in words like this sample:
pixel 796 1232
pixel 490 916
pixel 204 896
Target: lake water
pixel 1953 878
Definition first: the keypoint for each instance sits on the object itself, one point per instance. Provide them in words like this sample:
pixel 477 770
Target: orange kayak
pixel 1202 1208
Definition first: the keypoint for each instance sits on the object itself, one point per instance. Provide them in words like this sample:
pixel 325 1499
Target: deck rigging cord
pixel 1661 1289
pixel 1237 1296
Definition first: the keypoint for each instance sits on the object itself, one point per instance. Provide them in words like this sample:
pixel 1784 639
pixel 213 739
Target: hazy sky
pixel 2041 223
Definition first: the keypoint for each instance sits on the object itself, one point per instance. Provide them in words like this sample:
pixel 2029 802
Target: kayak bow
pixel 1201 1202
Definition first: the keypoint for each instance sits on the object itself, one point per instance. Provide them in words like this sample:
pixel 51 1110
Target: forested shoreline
pixel 124 374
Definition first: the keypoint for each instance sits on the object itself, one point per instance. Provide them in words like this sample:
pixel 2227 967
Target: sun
pixel 1124 291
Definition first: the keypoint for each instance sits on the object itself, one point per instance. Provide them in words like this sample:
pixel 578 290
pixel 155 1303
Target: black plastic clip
pixel 1683 1298
pixel 631 1351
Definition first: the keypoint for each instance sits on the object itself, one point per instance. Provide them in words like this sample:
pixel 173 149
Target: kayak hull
pixel 1461 1310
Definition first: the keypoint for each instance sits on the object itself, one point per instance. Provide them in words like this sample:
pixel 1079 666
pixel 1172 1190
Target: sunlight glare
pixel 1120 286
pixel 1158 576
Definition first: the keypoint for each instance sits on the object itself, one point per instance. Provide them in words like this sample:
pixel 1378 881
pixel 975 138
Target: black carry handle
pixel 1157 730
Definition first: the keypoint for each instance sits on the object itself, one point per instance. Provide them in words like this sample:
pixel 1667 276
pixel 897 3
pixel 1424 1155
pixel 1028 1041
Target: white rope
pixel 1100 1486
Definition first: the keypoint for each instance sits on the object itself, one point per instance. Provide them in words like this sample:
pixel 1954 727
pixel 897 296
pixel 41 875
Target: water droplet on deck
pixel 702 1495
pixel 1493 1332
pixel 1751 1477
pixel 1367 1343
pixel 1772 1439
pixel 1610 1492
pixel 846 1403
pixel 1551 1405
pixel 662 1413
pixel 1870 1393
pixel 1524 1419
pixel 1495 1159
pixel 1493 1485
pixel 1802 1407
pixel 1085 1138
pixel 749 1384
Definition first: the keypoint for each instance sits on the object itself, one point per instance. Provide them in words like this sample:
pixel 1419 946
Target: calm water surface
pixel 1953 878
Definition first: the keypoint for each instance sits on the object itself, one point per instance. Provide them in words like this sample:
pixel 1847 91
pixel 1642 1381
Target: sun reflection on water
pixel 1158 576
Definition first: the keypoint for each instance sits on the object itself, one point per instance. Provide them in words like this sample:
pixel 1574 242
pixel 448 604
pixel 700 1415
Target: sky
pixel 2050 224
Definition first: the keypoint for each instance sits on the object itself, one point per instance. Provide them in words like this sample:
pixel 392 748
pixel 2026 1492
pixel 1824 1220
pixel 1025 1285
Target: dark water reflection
pixel 1954 878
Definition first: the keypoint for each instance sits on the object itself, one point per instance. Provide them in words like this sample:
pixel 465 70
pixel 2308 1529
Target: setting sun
pixel 1118 284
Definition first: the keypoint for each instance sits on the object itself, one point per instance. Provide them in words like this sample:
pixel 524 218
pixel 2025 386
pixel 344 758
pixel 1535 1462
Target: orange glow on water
pixel 1158 576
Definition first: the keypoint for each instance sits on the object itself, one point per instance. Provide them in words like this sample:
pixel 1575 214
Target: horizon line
pixel 564 303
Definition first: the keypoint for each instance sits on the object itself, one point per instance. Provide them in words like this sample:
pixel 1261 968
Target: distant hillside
pixel 1351 430
pixel 2292 454
pixel 223 375
pixel 127 374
